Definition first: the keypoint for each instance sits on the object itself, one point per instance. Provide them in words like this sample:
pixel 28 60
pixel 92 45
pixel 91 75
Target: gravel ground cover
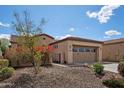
pixel 56 77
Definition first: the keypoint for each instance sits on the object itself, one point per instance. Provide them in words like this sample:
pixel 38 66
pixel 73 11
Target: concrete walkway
pixel 61 65
pixel 112 67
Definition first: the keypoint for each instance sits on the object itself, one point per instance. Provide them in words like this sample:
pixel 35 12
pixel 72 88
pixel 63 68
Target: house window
pixel 75 49
pixel 82 49
pixel 87 50
pixel 55 46
pixel 44 38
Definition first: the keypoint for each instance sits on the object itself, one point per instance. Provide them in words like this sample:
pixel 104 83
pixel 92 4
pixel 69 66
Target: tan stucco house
pixel 72 50
pixel 76 50
pixel 113 50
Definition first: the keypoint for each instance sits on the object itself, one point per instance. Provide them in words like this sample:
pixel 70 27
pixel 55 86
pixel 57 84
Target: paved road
pixel 112 67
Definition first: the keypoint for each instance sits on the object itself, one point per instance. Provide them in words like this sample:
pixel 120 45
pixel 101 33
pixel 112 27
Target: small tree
pixel 45 51
pixel 27 32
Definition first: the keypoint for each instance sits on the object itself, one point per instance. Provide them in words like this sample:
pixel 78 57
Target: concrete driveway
pixel 108 66
pixel 112 67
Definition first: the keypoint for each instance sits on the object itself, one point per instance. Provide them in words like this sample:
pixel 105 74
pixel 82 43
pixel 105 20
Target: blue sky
pixel 93 22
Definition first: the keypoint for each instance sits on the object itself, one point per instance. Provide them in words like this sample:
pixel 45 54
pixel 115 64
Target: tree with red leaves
pixel 45 51
pixel 27 32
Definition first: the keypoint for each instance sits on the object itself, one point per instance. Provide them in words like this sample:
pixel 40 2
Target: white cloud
pixel 91 15
pixel 107 37
pixel 72 29
pixel 7 36
pixel 110 33
pixel 64 36
pixel 104 14
pixel 4 25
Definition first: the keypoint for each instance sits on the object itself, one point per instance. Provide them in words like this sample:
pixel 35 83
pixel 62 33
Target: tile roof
pixel 114 41
pixel 76 39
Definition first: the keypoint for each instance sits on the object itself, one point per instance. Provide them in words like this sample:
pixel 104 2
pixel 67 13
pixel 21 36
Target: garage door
pixel 84 54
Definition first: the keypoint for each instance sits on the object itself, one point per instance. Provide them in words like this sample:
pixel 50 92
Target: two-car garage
pixel 84 54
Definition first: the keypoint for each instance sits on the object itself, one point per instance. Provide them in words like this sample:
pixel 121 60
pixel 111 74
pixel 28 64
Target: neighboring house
pixel 113 50
pixel 77 50
pixel 43 39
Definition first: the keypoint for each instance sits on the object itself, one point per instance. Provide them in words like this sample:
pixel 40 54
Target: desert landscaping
pixel 56 77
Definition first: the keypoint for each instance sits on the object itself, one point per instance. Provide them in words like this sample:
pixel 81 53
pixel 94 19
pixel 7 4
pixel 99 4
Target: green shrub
pixel 6 72
pixel 98 68
pixel 4 63
pixel 121 68
pixel 114 83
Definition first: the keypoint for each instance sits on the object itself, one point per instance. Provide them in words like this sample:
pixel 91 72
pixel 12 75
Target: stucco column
pixel 62 60
pixel 99 54
pixel 70 54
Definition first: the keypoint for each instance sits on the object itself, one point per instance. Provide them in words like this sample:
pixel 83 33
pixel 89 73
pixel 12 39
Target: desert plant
pixel 27 32
pixel 45 54
pixel 98 68
pixel 121 68
pixel 15 57
pixel 12 55
pixel 114 83
pixel 4 63
pixel 23 56
pixel 6 72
